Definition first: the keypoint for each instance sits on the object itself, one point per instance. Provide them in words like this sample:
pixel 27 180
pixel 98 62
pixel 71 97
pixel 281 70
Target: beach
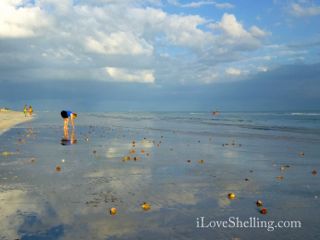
pixel 164 175
pixel 9 119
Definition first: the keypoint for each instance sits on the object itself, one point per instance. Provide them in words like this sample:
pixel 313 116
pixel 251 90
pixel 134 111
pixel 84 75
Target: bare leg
pixel 66 134
pixel 73 137
pixel 72 122
pixel 66 123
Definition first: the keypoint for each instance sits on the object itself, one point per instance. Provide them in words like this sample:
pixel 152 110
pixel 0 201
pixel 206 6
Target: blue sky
pixel 160 54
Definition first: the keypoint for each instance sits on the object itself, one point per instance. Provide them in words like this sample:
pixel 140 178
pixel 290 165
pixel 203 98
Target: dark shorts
pixel 64 114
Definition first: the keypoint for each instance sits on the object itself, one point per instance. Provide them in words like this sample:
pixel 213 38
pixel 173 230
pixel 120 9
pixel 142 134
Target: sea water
pixel 184 165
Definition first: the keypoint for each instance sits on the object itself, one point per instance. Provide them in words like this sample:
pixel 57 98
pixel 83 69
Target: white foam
pixel 305 114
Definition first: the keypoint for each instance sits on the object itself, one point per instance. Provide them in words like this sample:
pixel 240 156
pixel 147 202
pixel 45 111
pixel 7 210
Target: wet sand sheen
pixel 124 180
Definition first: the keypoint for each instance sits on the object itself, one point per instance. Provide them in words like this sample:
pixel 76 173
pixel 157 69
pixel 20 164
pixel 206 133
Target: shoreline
pixel 10 118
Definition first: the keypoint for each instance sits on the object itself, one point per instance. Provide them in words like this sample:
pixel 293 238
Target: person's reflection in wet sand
pixel 66 140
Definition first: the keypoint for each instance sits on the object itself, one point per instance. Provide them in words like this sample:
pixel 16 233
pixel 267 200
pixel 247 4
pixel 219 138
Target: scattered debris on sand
pixel 145 206
pixel 231 196
pixel 263 211
pixel 58 168
pixel 113 211
pixel 279 178
pixel 259 203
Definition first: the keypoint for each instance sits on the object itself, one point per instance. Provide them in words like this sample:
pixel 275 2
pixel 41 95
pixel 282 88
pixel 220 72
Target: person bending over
pixel 66 115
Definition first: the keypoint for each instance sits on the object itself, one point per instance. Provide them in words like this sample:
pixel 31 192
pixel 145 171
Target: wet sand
pixel 9 119
pixel 160 175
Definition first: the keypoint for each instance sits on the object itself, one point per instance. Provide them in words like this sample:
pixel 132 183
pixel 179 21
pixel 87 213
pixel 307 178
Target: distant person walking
pixel 30 110
pixel 66 115
pixel 25 110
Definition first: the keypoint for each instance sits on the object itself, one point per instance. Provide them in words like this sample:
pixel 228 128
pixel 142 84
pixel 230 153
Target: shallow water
pixel 242 153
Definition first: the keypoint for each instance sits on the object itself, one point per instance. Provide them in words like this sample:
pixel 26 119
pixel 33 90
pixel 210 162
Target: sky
pixel 160 55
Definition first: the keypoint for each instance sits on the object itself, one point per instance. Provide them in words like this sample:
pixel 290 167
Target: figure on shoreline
pixel 25 110
pixel 215 113
pixel 66 115
pixel 30 110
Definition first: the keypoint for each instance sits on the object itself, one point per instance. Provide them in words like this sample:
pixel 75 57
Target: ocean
pixel 55 185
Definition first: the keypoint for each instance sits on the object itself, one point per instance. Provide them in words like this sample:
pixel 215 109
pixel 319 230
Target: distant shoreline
pixel 9 119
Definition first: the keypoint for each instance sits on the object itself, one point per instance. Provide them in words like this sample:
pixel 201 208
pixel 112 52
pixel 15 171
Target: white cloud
pixel 232 27
pixel 140 76
pixel 257 32
pixel 263 69
pixel 223 5
pixel 183 30
pixel 58 6
pixel 307 11
pixel 18 22
pixel 118 43
pixel 233 71
pixel 196 4
pixel 203 3
pixel 178 30
pixel 130 37
pixel 235 35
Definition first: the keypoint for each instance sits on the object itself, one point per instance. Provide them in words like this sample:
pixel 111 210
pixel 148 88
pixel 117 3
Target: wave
pixel 304 114
pixel 197 113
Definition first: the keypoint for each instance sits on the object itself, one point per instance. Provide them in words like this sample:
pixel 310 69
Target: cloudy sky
pixel 125 55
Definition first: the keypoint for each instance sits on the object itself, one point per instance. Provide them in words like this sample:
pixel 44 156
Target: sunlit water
pixel 62 187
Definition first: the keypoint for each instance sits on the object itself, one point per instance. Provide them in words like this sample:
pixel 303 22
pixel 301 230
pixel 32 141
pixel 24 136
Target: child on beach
pixel 66 115
pixel 30 110
pixel 25 110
